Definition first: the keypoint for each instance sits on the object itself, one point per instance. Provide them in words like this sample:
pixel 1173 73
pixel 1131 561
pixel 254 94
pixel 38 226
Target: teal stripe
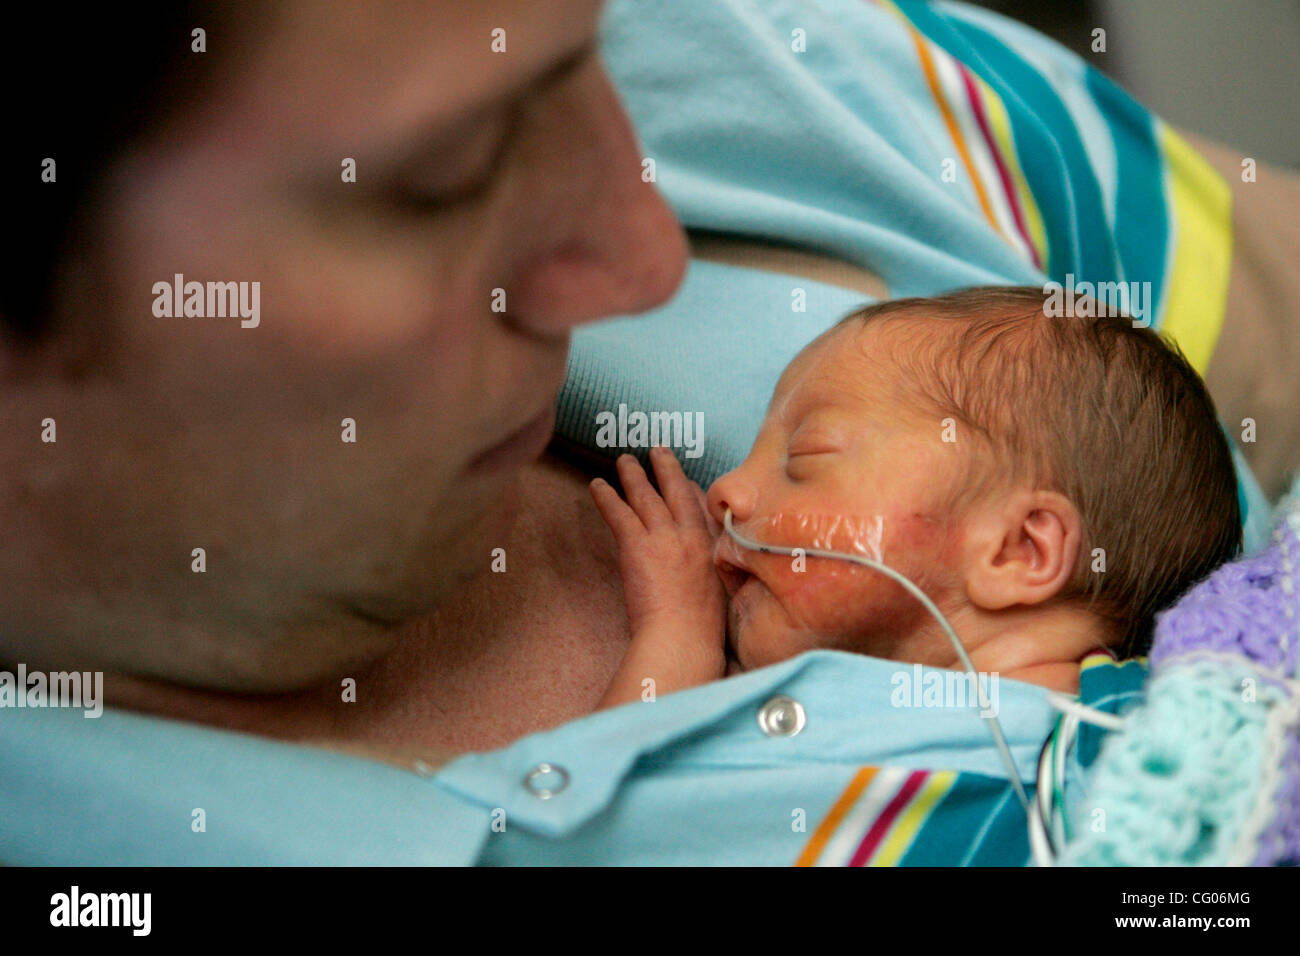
pixel 958 819
pixel 1141 212
pixel 1047 143
pixel 1005 837
pixel 1107 687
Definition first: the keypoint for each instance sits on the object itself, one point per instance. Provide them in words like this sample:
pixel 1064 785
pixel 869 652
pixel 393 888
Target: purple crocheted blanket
pixel 1242 621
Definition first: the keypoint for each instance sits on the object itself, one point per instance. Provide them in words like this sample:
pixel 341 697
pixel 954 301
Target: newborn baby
pixel 1050 483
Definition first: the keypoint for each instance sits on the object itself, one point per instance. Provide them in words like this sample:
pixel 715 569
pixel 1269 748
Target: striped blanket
pixel 889 816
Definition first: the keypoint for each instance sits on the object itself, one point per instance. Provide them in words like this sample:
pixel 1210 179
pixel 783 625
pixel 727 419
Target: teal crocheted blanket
pixel 1207 769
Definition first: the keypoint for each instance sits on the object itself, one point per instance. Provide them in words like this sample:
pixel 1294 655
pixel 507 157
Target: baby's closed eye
pixel 813 440
pixel 799 462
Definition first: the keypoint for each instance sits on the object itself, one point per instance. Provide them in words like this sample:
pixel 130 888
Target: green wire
pixel 1058 794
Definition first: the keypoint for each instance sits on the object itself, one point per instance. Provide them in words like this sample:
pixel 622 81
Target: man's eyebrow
pixel 554 72
pixel 442 126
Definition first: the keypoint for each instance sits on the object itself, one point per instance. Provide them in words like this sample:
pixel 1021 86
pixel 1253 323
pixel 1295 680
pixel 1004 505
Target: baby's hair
pixel 1110 415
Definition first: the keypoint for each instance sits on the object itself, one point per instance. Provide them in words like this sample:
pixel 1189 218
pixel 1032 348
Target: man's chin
pixel 437 570
pixel 480 545
pixel 491 529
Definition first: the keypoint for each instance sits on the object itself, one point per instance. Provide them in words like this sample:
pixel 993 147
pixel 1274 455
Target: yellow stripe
pixel 1001 125
pixel 1105 660
pixel 909 823
pixel 1099 659
pixel 833 819
pixel 1197 292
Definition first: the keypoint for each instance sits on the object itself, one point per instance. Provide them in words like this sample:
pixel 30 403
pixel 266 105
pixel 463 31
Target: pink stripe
pixel 1008 187
pixel 887 817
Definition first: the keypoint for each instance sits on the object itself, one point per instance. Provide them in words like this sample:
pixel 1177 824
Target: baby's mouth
pixel 730 568
pixel 733 576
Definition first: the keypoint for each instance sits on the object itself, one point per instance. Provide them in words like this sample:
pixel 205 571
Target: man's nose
pixel 606 243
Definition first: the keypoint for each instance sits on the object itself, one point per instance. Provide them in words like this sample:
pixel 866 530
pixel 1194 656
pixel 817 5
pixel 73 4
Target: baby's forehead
pixel 864 356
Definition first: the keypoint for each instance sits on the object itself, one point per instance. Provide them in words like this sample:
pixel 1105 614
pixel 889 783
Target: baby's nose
pixel 731 491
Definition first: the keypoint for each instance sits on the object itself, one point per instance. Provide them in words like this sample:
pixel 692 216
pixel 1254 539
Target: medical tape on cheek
pixel 799 532
pixel 828 532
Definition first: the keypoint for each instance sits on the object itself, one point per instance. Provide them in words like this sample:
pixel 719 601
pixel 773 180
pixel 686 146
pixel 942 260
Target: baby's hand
pixel 665 551
pixel 675 602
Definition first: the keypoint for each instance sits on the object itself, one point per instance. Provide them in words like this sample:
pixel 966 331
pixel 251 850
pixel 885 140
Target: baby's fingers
pixel 681 494
pixel 622 520
pixel 640 494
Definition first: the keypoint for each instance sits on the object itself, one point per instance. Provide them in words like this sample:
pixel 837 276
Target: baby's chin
pixel 764 629
pixel 756 641
pixel 761 630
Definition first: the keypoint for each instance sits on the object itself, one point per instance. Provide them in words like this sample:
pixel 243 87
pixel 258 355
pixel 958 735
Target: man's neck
pixel 508 655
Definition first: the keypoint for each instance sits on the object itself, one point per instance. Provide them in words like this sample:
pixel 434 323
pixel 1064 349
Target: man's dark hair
pixel 82 82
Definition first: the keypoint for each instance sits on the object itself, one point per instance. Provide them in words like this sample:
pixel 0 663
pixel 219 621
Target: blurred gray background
pixel 1227 69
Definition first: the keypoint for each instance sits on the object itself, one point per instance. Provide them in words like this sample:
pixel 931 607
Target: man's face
pixel 508 179
pixel 847 460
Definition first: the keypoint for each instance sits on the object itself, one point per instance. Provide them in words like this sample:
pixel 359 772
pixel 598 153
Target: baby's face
pixel 846 460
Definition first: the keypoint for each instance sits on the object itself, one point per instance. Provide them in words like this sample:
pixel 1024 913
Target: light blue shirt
pixel 690 778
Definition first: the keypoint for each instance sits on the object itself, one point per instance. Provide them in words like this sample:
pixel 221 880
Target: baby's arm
pixel 675 601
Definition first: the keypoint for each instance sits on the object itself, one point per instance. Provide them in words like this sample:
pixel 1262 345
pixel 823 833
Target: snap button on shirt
pixel 781 717
pixel 546 780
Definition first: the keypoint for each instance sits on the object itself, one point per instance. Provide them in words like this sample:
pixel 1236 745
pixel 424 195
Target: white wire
pixel 1039 819
pixel 1013 773
pixel 1075 714
pixel 1069 727
pixel 1084 713
pixel 1038 845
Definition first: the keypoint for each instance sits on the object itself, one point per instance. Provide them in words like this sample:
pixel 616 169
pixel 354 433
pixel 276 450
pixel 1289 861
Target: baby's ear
pixel 1021 549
